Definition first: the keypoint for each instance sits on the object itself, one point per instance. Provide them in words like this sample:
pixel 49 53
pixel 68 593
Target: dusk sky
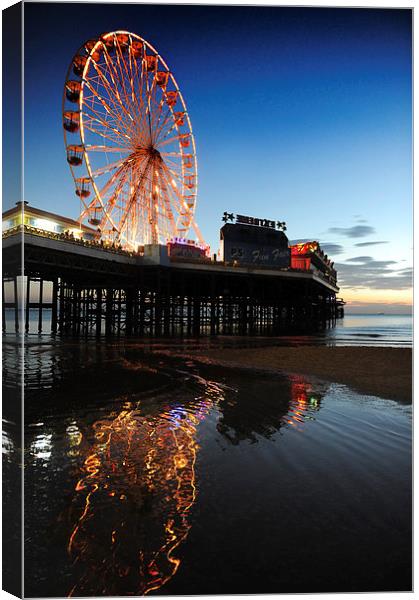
pixel 300 115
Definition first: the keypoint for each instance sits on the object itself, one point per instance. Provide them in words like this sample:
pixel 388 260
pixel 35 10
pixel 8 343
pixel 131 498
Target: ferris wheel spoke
pixel 112 181
pixel 168 160
pixel 142 181
pixel 141 97
pixel 93 148
pixel 111 89
pixel 140 78
pixel 157 110
pixel 157 122
pixel 126 77
pixel 168 206
pixel 113 74
pixel 111 113
pixel 114 95
pixel 103 126
pixel 112 201
pixel 172 175
pixel 161 134
pixel 107 168
pixel 110 128
pixel 98 97
pixel 121 61
pixel 131 73
pixel 101 134
pixel 140 113
pixel 177 198
pixel 170 140
pixel 148 109
pixel 171 155
pixel 154 105
pixel 184 209
pixel 169 186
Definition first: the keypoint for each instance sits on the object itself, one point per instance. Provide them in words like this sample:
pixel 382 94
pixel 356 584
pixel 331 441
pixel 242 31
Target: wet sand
pixel 384 372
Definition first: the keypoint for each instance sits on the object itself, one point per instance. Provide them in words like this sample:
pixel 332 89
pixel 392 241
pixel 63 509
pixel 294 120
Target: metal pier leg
pixel 74 311
pixel 142 314
pixel 189 316
pixel 98 311
pixel 3 310
pixel 128 311
pixel 41 297
pixel 108 311
pixel 136 310
pixel 118 311
pixel 212 316
pixel 157 314
pixel 28 296
pixel 196 317
pixel 61 307
pixel 54 306
pixel 16 305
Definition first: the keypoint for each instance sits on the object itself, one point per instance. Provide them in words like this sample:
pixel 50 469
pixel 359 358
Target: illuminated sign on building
pixel 245 220
pixel 255 221
pixel 183 248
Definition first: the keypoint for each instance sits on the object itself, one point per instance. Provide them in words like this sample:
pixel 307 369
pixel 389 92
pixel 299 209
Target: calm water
pixel 373 330
pixel 146 474
pixel 353 330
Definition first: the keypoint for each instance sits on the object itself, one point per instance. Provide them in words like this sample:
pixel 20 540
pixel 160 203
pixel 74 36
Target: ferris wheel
pixel 129 142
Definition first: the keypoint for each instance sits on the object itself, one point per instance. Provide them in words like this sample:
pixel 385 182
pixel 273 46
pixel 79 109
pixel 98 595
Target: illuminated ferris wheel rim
pixel 93 47
pixel 89 59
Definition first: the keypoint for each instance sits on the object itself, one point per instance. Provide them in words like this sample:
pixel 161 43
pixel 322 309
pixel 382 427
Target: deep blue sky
pixel 302 115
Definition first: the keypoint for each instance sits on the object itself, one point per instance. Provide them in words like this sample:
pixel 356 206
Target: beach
pixel 384 372
pixel 149 434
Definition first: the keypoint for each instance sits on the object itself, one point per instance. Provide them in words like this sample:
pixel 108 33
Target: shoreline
pixel 377 371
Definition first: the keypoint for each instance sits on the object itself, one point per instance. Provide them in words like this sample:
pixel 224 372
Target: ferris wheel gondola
pixel 129 142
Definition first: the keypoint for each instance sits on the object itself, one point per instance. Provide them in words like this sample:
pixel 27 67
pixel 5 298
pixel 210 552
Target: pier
pixel 80 288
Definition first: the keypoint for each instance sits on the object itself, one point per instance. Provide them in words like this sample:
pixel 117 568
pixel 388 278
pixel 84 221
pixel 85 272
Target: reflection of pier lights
pixel 139 479
pixel 303 400
pixel 239 423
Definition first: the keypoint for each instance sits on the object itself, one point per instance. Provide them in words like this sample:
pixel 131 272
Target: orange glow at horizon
pixel 377 296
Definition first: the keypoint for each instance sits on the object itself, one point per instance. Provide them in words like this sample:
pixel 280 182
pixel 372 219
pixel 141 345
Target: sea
pixel 149 474
pixel 352 330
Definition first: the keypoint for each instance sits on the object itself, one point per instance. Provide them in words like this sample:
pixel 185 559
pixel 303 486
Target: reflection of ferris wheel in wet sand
pixel 129 142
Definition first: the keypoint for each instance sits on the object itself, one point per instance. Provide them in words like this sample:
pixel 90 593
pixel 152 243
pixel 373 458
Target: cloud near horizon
pixel 356 231
pixel 365 272
pixel 360 259
pixel 332 249
pixel 364 244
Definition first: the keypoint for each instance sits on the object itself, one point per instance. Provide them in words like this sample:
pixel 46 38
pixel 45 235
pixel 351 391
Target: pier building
pixel 80 285
pixel 24 214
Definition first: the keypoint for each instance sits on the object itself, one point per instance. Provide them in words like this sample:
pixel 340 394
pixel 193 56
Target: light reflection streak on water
pixel 8 446
pixel 75 438
pixel 303 402
pixel 138 486
pixel 41 448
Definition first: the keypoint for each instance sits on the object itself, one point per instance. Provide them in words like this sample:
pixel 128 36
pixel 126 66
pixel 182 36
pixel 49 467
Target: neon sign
pixel 245 220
